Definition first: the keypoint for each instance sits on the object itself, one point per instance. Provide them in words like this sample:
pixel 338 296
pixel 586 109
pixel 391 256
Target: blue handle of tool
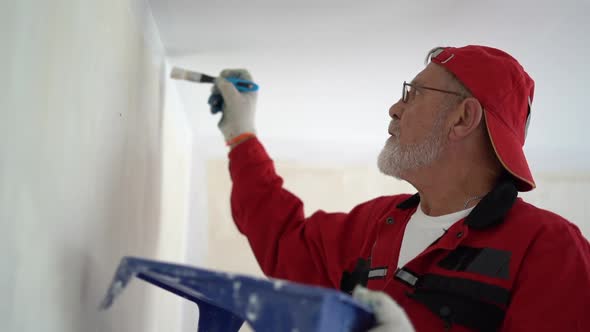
pixel 216 100
pixel 243 85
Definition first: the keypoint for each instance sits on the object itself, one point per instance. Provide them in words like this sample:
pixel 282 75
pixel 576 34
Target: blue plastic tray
pixel 225 301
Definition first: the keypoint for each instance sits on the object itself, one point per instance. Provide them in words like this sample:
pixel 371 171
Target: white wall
pixel 94 165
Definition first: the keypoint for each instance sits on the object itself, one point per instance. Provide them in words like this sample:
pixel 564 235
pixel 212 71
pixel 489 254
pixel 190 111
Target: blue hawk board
pixel 225 301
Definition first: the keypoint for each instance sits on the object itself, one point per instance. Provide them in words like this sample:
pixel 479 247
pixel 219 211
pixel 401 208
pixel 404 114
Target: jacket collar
pixel 490 211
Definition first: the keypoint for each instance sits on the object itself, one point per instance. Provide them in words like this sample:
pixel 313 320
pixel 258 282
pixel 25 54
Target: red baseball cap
pixel 505 91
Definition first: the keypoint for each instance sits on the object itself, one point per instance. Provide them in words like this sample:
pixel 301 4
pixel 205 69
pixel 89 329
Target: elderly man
pixel 464 253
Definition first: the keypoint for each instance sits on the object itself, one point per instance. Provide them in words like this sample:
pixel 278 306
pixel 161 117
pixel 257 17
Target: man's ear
pixel 467 119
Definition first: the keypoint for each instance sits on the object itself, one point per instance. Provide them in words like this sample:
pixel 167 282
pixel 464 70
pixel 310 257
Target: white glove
pixel 238 108
pixel 389 315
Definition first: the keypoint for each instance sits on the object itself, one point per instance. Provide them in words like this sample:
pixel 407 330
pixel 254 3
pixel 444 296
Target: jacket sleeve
pixel 553 287
pixel 314 250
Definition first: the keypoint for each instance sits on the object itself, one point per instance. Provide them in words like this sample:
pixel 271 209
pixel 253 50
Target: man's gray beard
pixel 395 159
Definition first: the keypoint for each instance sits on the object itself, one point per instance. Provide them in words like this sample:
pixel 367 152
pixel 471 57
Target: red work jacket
pixel 508 266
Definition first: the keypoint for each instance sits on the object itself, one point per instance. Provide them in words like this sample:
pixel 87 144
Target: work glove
pixel 389 315
pixel 237 122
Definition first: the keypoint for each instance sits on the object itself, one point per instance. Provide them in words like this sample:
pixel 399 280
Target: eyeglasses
pixel 409 89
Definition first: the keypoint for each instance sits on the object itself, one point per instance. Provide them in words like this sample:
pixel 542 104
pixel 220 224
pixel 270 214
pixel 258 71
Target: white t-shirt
pixel 422 230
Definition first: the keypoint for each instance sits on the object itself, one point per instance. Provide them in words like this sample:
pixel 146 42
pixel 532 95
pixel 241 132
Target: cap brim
pixel 509 150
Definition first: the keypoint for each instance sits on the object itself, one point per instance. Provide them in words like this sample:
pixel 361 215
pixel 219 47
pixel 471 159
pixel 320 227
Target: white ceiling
pixel 329 70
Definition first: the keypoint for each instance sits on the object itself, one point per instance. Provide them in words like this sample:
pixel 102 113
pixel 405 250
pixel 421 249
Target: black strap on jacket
pixel 359 276
pixel 466 302
pixel 465 287
pixel 456 309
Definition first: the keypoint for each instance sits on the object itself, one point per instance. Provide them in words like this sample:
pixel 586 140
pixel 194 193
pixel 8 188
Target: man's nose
pixel 395 111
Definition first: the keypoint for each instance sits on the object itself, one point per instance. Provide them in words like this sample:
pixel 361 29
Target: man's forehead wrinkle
pixel 427 73
pixel 432 78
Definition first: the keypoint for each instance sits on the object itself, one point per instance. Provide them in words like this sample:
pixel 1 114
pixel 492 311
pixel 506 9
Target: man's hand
pixel 389 315
pixel 238 110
